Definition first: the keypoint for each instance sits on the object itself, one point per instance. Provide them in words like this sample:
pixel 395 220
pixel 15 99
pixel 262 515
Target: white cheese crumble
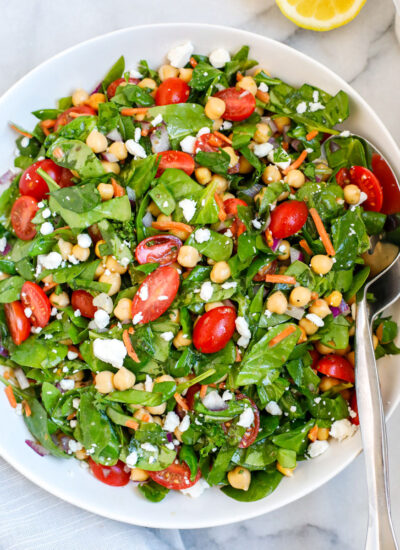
pixel 226 125
pixel 262 149
pixel 3 244
pixel 246 418
pixel 263 87
pixel 273 408
pixel 72 355
pixel 137 318
pixel 46 228
pixel 202 235
pixel 256 223
pixel 137 135
pixel 74 446
pixel 189 208
pixel 84 240
pixel 149 447
pixel 110 350
pixel 301 108
pixel 67 384
pixel 229 284
pixel 187 144
pixel 243 329
pixel 28 312
pixel 101 318
pixel 316 106
pixel 75 402
pixel 315 319
pixel 342 429
pixel 203 131
pixel 135 149
pixel 167 336
pixel 143 292
pixel 227 395
pixel 171 421
pixel 148 383
pixel 219 57
pixel 180 55
pixel 184 425
pixel 213 401
pixel 345 133
pixel 206 291
pixel 131 459
pixel 157 120
pixel 197 489
pixel 46 213
pixel 317 448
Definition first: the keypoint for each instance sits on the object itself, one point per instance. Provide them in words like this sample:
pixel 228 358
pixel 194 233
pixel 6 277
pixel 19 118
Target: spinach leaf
pixel 115 72
pixel 328 408
pixel 79 198
pixel 374 222
pixel 294 438
pixel 10 289
pixel 335 332
pixel 257 456
pixel 153 491
pixel 218 247
pixel 132 95
pixel 349 239
pixel 108 117
pixel 79 128
pixel 118 248
pixel 270 194
pixel 187 454
pixel 345 152
pixel 150 443
pixel 38 424
pixel 140 174
pixel 39 354
pixel 216 162
pixel 45 114
pixel 262 484
pixel 204 75
pixel 76 155
pixel 244 132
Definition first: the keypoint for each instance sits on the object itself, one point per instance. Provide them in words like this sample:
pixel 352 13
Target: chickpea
pixel 47 280
pixel 288 472
pixel 300 296
pixel 284 250
pixel 113 279
pixel 323 434
pixel 119 150
pixel 97 248
pixel 123 310
pixel 271 174
pixel 148 83
pixel 65 248
pixel 248 84
pixel 217 123
pixel 59 300
pixel 295 178
pixel 164 218
pixel 181 340
pixel 222 183
pixel 188 256
pixel 309 327
pixel 114 266
pixel 81 254
pixel 143 415
pixel 159 409
pixel 81 454
pixel 153 209
pixel 79 97
pixel 165 378
pixel 174 315
pixel 213 305
pixel 157 420
pixel 325 350
pixel 283 196
pixel 263 133
pixel 106 191
pixel 352 194
pixel 203 175
pixel 227 196
pixel 95 100
pixel 234 159
pixel 239 478
pixel 220 272
pixel 375 341
pixel 104 381
pixel 277 302
pixel 110 167
pixel 215 108
pixel 303 336
pixel 244 166
pixel 137 474
pixel 124 379
pixel 178 434
pixel 185 74
pixel 320 307
pixel 351 357
pixel 280 122
pixel 321 264
pixel 327 383
pixel 334 299
pixel 100 269
pixel 167 71
pixel 96 141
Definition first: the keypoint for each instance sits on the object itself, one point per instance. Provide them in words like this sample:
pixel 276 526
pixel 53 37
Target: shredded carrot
pixel 129 348
pixel 46 131
pixel 304 245
pixel 285 145
pixel 314 295
pixel 282 335
pixel 239 76
pixel 238 356
pixel 181 401
pixel 144 132
pixel 311 135
pixel 71 416
pixel 262 96
pixel 58 153
pixel 298 162
pixel 193 62
pixel 10 396
pixel 171 226
pixel 312 434
pixel 76 115
pixel 285 279
pixel 221 209
pixel 7 374
pixel 48 123
pixel 131 111
pixel 49 286
pixel 132 424
pixel 322 232
pixel 119 191
pixel 223 137
pixel 26 134
pixel 27 408
pixel 269 238
pixel 145 418
pixel 203 391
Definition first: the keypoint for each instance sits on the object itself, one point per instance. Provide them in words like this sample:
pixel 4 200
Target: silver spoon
pixel 386 289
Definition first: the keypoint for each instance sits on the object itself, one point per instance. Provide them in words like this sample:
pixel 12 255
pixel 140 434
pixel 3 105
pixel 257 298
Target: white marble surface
pixel 367 55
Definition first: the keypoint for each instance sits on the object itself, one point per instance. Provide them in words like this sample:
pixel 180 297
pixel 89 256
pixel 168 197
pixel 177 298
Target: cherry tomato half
pixel 315 358
pixel 343 177
pixel 230 207
pixel 391 192
pixel 175 159
pixel 354 407
pixel 17 322
pixel 369 184
pixel 176 476
pixel 214 329
pixel 34 298
pixel 83 301
pixel 337 367
pixel 172 90
pixel 190 395
pixel 22 213
pixel 155 294
pixel 251 432
pixel 288 218
pixel 162 249
pixel 239 104
pixel 66 178
pixel 209 143
pixel 66 117
pixel 34 185
pixel 112 88
pixel 110 475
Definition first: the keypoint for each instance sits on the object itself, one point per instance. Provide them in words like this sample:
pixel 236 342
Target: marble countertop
pixel 367 55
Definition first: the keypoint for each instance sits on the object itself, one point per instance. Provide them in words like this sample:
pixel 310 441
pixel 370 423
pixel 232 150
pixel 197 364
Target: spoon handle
pixel 380 535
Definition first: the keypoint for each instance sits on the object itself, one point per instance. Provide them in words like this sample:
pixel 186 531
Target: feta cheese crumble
pixel 342 429
pixel 317 448
pixel 243 329
pixel 67 384
pixel 84 240
pixel 197 489
pixel 135 149
pixel 219 57
pixel 187 144
pixel 110 350
pixel 202 235
pixel 131 459
pixel 315 319
pixel 189 208
pixel 143 292
pixel 137 318
pixel 46 228
pixel 246 419
pixel 206 291
pixel 167 336
pixel 273 408
pixel 101 318
pixel 180 55
pixel 171 421
pixel 262 149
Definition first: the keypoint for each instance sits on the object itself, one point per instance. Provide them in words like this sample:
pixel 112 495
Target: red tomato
pixel 269 268
pixel 110 475
pixel 252 431
pixel 66 117
pixel 160 287
pixel 34 185
pixel 315 357
pixel 17 322
pixel 391 192
pixel 34 298
pixel 354 407
pixel 369 184
pixel 66 178
pixel 22 213
pixel 176 476
pixel 112 88
pixel 337 367
pixel 190 395
pixel 209 143
pixel 162 249
pixel 83 301
pixel 288 218
pixel 343 177
pixel 172 90
pixel 230 207
pixel 175 159
pixel 240 104
pixel 214 329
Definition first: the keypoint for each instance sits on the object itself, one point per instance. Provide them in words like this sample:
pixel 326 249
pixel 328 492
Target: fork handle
pixel 380 535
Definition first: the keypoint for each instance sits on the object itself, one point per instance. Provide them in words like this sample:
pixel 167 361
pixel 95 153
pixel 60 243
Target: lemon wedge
pixel 320 15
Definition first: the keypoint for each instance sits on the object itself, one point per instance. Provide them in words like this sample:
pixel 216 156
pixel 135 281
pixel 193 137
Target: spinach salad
pixel 181 252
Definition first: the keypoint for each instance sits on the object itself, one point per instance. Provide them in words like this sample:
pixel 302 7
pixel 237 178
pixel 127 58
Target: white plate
pixel 83 66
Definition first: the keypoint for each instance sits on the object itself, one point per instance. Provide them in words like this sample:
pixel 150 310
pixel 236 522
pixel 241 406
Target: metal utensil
pixel 386 289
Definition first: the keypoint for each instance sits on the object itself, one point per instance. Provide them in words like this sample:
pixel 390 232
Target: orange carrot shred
pixel 304 245
pixel 48 123
pixel 132 424
pixel 326 241
pixel 170 225
pixel 223 137
pixel 285 145
pixel 269 238
pixel 311 135
pixel 26 134
pixel 45 131
pixel 129 348
pixel 193 62
pixel 312 434
pixel 145 418
pixel 76 115
pixel 10 396
pixel 130 111
pixel 282 335
pixel 7 374
pixel 239 76
pixel 181 401
pixel 27 408
pixel 298 162
pixel 71 416
pixel 58 153
pixel 221 209
pixel 285 279
pixel 203 391
pixel 119 191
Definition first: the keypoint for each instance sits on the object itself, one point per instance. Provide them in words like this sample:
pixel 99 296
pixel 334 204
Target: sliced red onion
pixel 114 135
pixel 97 89
pixel 295 312
pixel 275 244
pixel 170 437
pixel 7 177
pixel 21 378
pixel 159 139
pixel 343 309
pixel 295 255
pixel 272 125
pixel 253 190
pixel 318 179
pixel 333 146
pixel 3 351
pixel 147 219
pixel 214 402
pixel 109 157
pixel 37 447
pixel 295 143
pixel 6 250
